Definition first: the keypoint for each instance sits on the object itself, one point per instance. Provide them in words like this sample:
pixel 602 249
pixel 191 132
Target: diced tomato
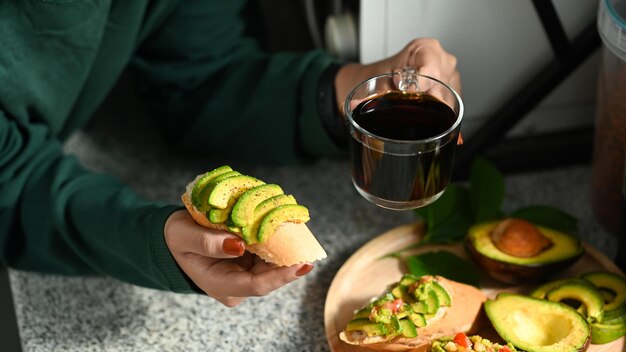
pixel 462 340
pixel 397 305
pixel 394 305
pixel 505 349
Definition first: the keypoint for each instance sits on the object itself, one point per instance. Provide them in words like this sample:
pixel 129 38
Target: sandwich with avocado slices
pixel 271 223
pixel 413 312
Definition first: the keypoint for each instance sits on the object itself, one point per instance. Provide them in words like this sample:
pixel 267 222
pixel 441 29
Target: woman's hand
pixel 217 263
pixel 424 54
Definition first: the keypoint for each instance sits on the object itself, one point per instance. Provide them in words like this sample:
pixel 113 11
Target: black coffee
pixel 406 117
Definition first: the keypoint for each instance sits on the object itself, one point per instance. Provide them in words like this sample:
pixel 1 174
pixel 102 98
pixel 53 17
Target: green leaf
pixel 451 231
pixel 446 264
pixel 486 190
pixel 549 217
pixel 436 213
pixel 456 224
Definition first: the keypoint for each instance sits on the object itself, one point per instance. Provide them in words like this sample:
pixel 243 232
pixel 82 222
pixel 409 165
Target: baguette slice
pixel 291 244
pixel 463 315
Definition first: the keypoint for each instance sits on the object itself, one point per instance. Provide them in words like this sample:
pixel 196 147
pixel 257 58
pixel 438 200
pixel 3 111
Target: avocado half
pixel 533 324
pixel 564 251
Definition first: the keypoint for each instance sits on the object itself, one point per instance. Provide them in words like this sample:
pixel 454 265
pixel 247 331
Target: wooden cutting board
pixel 367 273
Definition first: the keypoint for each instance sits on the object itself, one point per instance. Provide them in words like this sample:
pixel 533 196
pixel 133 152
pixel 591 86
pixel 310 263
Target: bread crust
pixel 291 244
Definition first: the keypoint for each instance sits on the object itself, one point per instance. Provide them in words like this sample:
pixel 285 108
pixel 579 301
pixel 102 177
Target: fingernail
pixel 233 246
pixel 304 269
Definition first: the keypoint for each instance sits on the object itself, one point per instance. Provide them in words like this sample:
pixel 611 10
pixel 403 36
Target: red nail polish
pixel 304 269
pixel 233 246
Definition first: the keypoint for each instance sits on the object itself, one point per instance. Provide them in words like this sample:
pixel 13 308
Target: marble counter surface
pixel 58 313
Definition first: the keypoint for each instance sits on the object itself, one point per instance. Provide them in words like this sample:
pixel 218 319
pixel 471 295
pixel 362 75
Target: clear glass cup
pixel 405 128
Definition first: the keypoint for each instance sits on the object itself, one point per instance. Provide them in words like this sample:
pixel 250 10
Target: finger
pixel 428 63
pixel 209 274
pixel 428 56
pixel 216 244
pixel 184 235
pixel 245 284
pixel 455 82
pixel 231 302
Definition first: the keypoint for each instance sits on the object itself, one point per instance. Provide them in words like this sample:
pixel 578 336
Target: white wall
pixel 499 45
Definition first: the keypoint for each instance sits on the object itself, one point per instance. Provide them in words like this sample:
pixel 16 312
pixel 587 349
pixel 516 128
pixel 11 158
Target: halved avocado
pixel 243 210
pixel 277 216
pixel 533 324
pixel 563 252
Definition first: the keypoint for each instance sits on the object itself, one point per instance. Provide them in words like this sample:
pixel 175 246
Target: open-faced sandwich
pixel 413 312
pixel 271 223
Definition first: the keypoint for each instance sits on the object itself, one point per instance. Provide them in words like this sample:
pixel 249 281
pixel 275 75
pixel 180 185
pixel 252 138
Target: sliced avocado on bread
pixel 250 231
pixel 202 181
pixel 206 189
pixel 226 193
pixel 243 210
pixel 224 199
pixel 275 217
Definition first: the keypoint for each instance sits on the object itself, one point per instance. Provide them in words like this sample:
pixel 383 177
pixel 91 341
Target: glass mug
pixel 405 128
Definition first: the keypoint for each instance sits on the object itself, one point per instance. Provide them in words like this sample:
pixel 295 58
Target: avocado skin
pixel 509 308
pixel 542 290
pixel 518 271
pixel 605 333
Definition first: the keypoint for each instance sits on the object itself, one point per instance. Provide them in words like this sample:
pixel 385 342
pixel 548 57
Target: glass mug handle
pixel 408 80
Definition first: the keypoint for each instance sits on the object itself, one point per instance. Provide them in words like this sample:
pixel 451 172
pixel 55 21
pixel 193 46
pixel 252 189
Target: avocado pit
pixel 519 238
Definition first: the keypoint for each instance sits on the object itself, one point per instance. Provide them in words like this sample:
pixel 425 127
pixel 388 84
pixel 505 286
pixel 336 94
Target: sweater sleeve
pixel 216 92
pixel 56 216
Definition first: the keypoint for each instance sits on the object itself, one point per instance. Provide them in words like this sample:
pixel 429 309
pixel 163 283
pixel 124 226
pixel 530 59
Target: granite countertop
pixel 57 313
